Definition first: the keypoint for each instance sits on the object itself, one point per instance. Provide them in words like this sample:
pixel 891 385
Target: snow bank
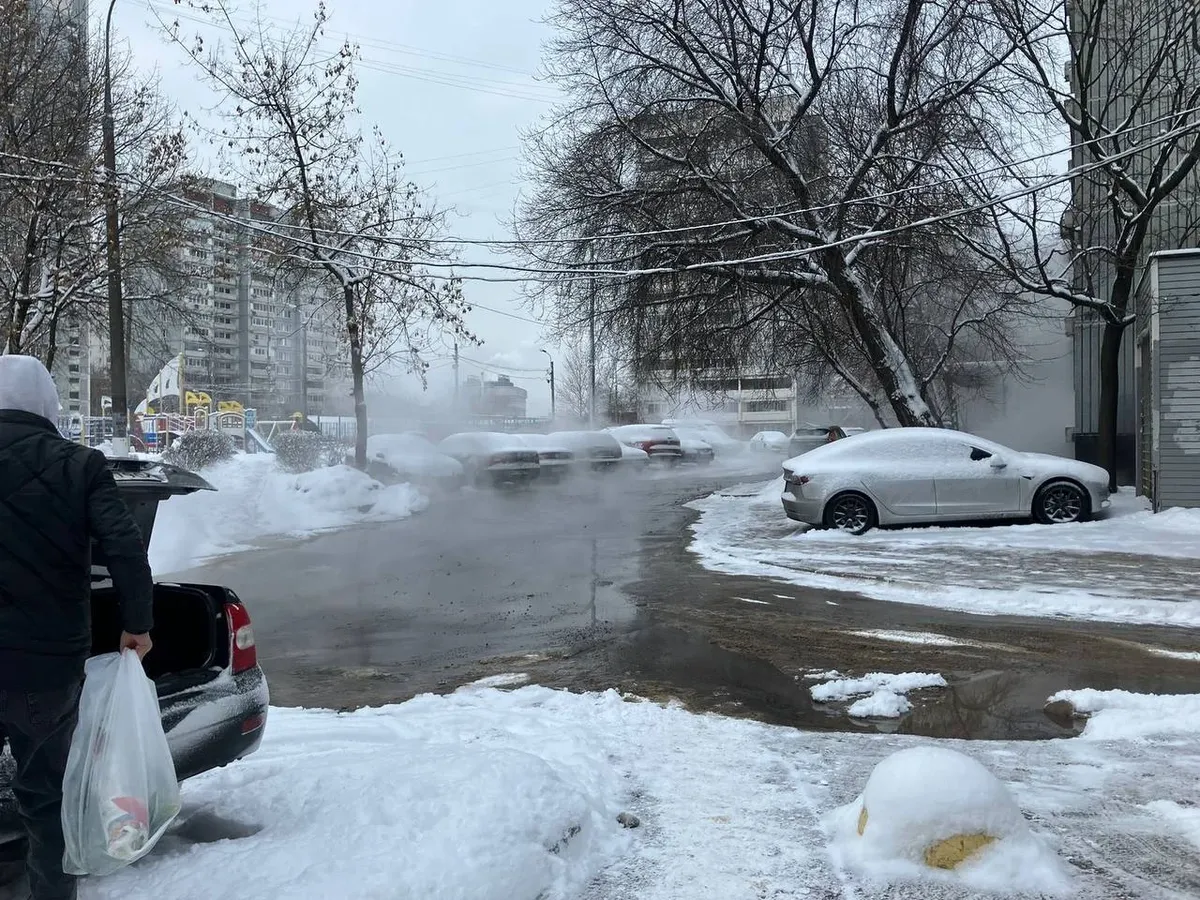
pixel 1129 566
pixel 255 500
pixel 457 797
pixel 442 798
pixel 922 796
pixel 1123 715
pixel 886 692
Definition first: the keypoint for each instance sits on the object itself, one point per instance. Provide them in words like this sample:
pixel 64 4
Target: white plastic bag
pixel 120 791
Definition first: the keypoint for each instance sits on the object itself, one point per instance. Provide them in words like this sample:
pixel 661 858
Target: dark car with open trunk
pixel 211 691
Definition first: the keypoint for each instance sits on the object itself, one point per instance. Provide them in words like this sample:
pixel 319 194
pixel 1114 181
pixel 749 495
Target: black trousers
pixel 39 726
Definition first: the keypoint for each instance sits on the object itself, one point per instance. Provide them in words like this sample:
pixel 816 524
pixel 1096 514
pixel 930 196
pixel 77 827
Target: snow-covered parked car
pixel 211 691
pixel 769 442
pixel 809 437
pixel 695 449
pixel 596 450
pixel 394 458
pixel 489 457
pixel 708 431
pixel 633 459
pixel 659 442
pixel 555 458
pixel 907 476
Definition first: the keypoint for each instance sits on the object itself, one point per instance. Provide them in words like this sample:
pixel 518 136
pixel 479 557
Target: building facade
pixel 1136 70
pixel 249 330
pixel 1167 340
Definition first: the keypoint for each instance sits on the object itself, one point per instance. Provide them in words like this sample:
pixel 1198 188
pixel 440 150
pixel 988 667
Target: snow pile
pixel 458 797
pixel 255 499
pixel 468 796
pixel 1116 715
pixel 1130 565
pixel 922 796
pixel 885 692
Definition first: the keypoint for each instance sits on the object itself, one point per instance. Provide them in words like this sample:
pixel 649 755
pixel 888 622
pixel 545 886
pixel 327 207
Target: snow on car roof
pixel 584 439
pixel 542 442
pixel 895 442
pixel 629 430
pixel 491 441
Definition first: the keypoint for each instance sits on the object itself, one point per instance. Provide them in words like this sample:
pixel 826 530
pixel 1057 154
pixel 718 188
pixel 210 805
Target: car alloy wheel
pixel 1062 503
pixel 851 513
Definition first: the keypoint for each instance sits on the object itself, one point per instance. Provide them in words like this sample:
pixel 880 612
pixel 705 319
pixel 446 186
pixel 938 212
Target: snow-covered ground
pixel 1129 566
pixel 256 500
pixel 494 795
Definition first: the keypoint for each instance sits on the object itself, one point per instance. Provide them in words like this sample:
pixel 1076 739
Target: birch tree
pixel 348 215
pixel 768 175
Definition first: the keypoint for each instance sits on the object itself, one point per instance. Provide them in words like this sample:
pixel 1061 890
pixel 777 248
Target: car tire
pixel 1061 503
pixel 850 512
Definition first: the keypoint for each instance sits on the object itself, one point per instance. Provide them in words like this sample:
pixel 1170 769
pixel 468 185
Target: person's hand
pixel 139 643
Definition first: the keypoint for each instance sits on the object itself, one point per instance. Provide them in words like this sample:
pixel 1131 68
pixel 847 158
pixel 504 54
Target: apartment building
pixel 250 328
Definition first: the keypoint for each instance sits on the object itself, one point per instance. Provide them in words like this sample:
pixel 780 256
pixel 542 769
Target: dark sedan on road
pixel 211 692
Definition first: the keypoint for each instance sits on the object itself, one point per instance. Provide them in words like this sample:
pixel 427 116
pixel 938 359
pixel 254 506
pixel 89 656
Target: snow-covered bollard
pixel 935 812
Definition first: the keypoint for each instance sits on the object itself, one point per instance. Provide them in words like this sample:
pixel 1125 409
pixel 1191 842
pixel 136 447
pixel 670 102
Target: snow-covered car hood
pixel 694 444
pixel 633 453
pixel 411 454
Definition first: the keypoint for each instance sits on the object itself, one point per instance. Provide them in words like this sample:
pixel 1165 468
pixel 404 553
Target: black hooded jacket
pixel 55 498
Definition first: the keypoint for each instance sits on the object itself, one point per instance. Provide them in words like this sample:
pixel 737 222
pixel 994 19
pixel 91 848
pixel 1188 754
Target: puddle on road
pixel 664 662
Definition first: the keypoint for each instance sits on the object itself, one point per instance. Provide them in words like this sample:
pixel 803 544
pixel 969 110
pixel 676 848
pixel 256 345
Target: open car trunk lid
pixel 190 634
pixel 143 485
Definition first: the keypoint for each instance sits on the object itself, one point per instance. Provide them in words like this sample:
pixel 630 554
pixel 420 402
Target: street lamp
pixel 116 311
pixel 553 417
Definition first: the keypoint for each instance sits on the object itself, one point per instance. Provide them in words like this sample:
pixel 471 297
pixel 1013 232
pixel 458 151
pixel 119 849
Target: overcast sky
pixel 452 85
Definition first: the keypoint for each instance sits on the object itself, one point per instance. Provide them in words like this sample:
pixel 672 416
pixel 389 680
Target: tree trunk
pixel 354 333
pixel 887 358
pixel 1110 383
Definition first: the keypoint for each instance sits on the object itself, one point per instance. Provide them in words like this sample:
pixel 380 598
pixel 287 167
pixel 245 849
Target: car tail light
pixel 253 723
pixel 243 654
pixel 646 445
pixel 793 478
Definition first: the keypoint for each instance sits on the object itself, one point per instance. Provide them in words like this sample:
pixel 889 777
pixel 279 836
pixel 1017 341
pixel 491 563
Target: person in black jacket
pixel 56 497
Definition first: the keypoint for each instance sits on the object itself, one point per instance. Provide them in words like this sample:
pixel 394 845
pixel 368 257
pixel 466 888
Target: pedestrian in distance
pixel 56 498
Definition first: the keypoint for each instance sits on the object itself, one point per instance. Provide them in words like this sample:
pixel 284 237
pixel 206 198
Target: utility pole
pixel 553 416
pixel 116 309
pixel 456 377
pixel 592 357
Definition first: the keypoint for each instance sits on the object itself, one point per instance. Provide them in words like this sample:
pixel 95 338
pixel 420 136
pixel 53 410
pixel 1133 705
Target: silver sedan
pixel 909 476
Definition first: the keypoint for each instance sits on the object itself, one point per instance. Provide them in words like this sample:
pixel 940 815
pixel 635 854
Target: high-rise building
pixel 249 328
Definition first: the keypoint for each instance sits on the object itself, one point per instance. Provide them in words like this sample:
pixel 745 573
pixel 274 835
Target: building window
pixel 765 406
pixel 260 351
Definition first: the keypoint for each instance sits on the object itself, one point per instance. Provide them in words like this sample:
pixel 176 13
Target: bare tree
pixel 1122 77
pixel 615 393
pixel 773 173
pixel 349 215
pixel 52 261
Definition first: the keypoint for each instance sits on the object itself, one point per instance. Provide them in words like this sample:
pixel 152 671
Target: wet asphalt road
pixel 590 585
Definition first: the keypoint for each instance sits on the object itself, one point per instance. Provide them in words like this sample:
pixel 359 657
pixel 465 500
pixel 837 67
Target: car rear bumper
pixel 216 723
pixel 802 510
